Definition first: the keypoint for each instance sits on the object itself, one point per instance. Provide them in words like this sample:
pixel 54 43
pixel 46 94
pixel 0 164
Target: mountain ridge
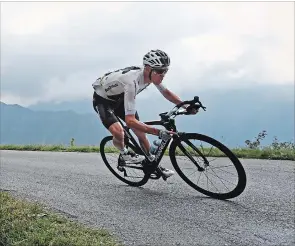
pixel 232 117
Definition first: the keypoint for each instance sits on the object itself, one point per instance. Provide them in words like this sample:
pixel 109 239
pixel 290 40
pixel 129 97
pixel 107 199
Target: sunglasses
pixel 160 70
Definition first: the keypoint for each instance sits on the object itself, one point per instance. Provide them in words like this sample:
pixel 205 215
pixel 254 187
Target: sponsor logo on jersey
pixel 110 87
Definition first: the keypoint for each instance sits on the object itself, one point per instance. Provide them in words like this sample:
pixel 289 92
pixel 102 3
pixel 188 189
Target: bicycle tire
pixel 242 180
pixel 102 151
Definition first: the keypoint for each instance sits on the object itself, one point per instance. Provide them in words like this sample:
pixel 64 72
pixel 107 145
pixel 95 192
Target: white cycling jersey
pixel 127 83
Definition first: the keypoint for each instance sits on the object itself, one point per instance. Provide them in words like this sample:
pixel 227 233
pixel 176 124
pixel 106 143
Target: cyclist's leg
pixel 105 111
pixel 142 137
pixel 144 142
pixel 118 135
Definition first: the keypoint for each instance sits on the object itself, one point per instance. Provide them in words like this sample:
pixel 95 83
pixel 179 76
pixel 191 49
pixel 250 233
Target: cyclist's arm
pixel 132 122
pixel 130 110
pixel 169 95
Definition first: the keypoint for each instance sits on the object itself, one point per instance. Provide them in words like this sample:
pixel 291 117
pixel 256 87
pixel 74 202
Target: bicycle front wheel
pixel 214 171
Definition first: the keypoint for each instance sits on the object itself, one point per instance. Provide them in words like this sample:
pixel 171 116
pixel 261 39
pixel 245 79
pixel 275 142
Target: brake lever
pixel 195 106
pixel 192 104
pixel 201 106
pixel 196 99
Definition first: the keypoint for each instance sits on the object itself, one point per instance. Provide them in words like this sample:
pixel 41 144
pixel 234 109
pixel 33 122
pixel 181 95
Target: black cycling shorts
pixel 106 109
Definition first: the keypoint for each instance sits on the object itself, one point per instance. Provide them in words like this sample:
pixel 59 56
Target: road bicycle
pixel 197 170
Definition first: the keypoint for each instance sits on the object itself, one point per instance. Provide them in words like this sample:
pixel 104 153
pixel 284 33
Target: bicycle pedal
pixel 121 165
pixel 120 168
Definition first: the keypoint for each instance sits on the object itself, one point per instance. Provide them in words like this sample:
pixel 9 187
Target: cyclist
pixel 115 92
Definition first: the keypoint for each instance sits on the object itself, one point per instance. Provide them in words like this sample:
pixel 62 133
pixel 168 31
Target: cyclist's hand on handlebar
pixel 192 110
pixel 165 135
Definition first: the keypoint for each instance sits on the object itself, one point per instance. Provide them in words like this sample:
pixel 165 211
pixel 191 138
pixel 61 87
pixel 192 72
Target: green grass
pixel 28 224
pixel 266 153
pixel 57 148
pixel 263 153
pixel 258 153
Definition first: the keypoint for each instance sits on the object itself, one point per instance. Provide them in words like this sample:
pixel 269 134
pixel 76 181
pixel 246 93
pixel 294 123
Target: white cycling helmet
pixel 156 59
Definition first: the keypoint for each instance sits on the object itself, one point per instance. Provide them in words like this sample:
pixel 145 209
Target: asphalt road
pixel 159 213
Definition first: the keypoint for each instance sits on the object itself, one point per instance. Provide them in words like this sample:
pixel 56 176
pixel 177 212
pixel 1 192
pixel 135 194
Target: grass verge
pixel 29 224
pixel 57 148
pixel 259 153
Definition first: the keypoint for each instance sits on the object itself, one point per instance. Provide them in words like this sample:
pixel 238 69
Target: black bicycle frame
pixel 164 143
pixel 169 124
pixel 162 147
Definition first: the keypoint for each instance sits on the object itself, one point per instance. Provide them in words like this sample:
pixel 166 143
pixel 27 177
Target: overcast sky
pixel 54 51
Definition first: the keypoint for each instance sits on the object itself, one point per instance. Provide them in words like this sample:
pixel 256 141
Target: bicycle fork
pixel 201 169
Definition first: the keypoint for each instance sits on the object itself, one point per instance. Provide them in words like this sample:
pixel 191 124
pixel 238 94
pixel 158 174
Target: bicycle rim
pixel 110 155
pixel 223 177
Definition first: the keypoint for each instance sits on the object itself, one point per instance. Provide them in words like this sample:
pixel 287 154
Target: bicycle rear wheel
pixel 229 174
pixel 131 174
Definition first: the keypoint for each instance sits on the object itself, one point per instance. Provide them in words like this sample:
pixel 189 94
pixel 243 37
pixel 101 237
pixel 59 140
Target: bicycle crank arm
pixel 122 169
pixel 153 171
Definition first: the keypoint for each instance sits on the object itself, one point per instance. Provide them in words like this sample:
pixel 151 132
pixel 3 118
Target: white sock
pixel 123 151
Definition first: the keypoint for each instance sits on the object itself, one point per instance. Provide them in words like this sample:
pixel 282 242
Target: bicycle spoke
pixel 188 154
pixel 221 179
pixel 193 147
pixel 193 173
pixel 211 182
pixel 199 177
pixel 221 166
pixel 213 159
pixel 218 180
pixel 202 148
pixel 130 173
pixel 207 180
pixel 221 170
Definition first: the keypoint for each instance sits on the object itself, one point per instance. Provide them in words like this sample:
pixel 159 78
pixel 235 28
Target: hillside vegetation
pixel 253 149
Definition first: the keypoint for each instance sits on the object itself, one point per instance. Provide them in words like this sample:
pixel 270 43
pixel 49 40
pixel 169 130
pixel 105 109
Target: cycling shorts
pixel 107 110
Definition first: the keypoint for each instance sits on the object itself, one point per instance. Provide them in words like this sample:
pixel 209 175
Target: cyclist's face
pixel 158 75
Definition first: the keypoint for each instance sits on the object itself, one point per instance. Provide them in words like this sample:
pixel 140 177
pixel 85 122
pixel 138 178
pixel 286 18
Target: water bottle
pixel 155 146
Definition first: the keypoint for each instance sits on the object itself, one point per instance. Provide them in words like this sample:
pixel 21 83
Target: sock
pixel 150 156
pixel 123 151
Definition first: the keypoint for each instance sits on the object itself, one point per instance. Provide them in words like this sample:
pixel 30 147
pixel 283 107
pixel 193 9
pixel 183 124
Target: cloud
pixel 54 51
